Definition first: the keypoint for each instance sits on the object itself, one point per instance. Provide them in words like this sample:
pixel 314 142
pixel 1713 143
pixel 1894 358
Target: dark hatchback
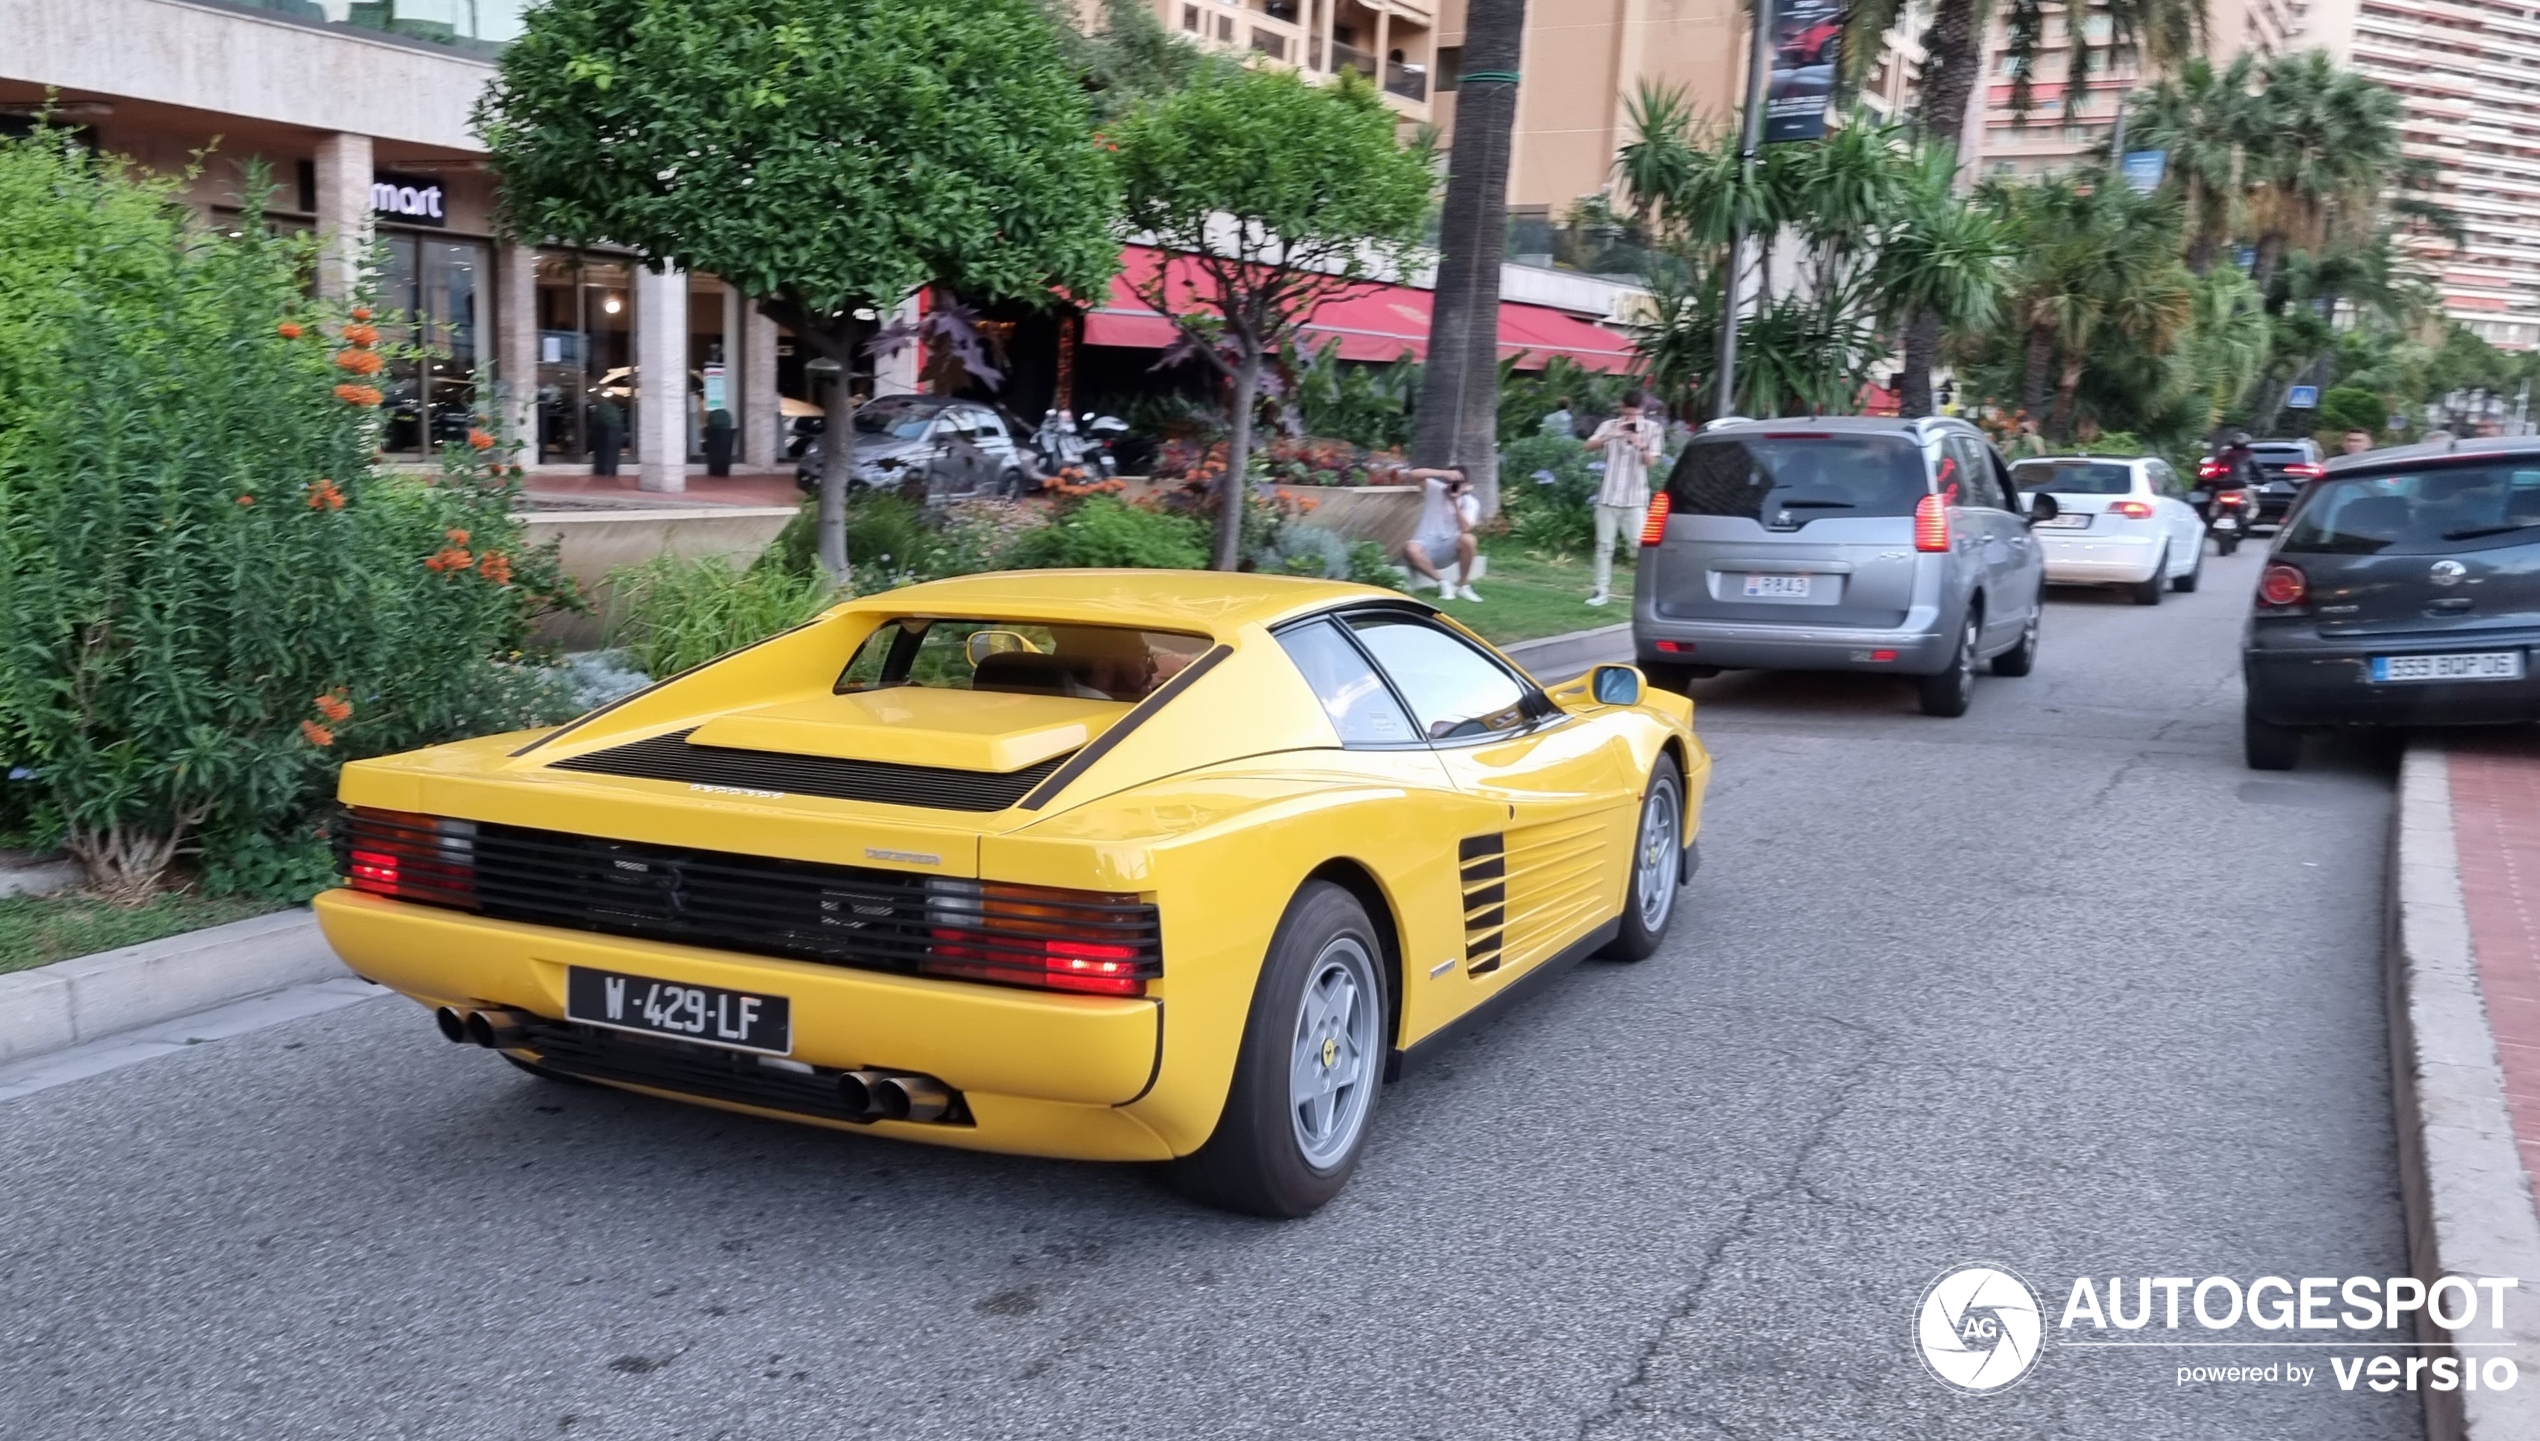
pixel 2403 590
pixel 2284 467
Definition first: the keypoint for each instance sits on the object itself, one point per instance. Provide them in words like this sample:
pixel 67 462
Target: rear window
pixel 2074 477
pixel 1091 662
pixel 1786 481
pixel 2281 454
pixel 2463 507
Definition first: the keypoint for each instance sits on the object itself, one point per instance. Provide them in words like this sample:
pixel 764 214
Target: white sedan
pixel 2120 521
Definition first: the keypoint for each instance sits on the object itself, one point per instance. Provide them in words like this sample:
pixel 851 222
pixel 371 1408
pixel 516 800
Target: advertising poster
pixel 1807 43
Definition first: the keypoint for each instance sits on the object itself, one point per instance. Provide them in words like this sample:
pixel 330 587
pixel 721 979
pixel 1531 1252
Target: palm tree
pixel 2166 32
pixel 2095 256
pixel 1942 266
pixel 2320 143
pixel 1458 421
pixel 2201 117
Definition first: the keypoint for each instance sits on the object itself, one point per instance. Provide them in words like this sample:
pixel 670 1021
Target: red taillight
pixel 1931 520
pixel 2232 497
pixel 2131 509
pixel 2305 470
pixel 1036 936
pixel 1673 647
pixel 2207 470
pixel 2282 584
pixel 1653 528
pixel 411 857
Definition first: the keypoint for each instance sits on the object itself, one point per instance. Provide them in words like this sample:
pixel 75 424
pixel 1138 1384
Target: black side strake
pixel 1144 711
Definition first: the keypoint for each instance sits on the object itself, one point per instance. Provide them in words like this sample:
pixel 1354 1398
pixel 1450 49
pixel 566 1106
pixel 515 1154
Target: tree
pixel 2164 32
pixel 827 157
pixel 2320 144
pixel 2201 118
pixel 1943 267
pixel 2094 255
pixel 1459 392
pixel 1270 197
pixel 1128 58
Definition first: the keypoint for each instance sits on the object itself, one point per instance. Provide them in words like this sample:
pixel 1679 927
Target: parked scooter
pixel 1091 449
pixel 2226 494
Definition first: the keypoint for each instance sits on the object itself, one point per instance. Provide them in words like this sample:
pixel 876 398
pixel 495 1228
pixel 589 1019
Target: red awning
pixel 1375 322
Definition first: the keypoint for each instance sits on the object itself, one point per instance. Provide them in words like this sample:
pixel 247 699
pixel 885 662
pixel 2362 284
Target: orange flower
pixel 289 330
pixel 358 394
pixel 481 439
pixel 457 537
pixel 441 562
pixel 361 335
pixel 361 312
pixel 324 496
pixel 246 500
pixel 360 362
pixel 333 706
pixel 318 735
pixel 496 567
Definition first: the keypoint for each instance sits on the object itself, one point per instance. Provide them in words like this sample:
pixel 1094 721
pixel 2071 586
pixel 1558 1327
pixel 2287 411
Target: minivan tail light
pixel 2281 584
pixel 1653 528
pixel 2132 509
pixel 1931 520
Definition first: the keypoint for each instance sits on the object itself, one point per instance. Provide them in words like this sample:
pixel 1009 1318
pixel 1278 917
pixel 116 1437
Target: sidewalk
pixel 742 487
pixel 2464 977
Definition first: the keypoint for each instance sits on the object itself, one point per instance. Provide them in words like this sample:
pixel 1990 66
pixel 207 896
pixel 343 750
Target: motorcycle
pixel 1094 449
pixel 2228 512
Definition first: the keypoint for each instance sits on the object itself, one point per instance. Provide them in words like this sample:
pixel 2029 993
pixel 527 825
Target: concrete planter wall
pixel 596 542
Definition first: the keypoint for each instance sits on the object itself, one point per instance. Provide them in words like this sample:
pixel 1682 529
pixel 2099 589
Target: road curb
pixel 1557 658
pixel 2468 1203
pixel 83 999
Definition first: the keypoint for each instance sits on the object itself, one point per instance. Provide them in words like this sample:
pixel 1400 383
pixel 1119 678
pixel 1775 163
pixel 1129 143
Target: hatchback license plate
pixel 2473 665
pixel 1791 586
pixel 706 1015
pixel 2074 520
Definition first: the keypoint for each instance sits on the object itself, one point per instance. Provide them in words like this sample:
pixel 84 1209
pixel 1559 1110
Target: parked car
pixel 944 448
pixel 2404 589
pixel 1841 543
pixel 2123 522
pixel 2284 467
pixel 929 865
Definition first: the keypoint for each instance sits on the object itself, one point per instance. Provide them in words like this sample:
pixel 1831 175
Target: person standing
pixel 1448 512
pixel 2357 442
pixel 1631 442
pixel 1560 422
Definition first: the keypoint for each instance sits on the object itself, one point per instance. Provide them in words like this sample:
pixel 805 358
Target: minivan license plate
pixel 2473 665
pixel 705 1015
pixel 1792 586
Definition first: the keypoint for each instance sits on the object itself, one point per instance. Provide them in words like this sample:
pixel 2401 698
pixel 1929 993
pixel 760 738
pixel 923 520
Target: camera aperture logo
pixel 1978 1329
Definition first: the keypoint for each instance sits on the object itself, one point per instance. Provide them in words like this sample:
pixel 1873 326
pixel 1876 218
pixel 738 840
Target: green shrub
pixel 673 615
pixel 1102 530
pixel 2351 407
pixel 1366 405
pixel 1555 516
pixel 207 601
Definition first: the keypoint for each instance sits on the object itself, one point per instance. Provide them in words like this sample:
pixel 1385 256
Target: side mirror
pixel 985 643
pixel 2040 506
pixel 1615 685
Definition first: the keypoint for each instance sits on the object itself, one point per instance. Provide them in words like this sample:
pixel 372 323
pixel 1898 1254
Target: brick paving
pixel 2496 824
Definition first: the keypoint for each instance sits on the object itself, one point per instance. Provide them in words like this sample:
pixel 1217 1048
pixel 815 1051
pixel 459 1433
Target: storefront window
pixel 586 319
pixel 430 289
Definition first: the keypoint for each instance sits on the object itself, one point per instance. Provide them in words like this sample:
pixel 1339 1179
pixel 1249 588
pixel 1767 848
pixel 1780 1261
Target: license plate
pixel 2074 521
pixel 706 1015
pixel 2474 665
pixel 1778 585
pixel 2225 522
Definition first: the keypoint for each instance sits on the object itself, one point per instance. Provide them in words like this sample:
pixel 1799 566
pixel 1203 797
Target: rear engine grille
pixel 1484 861
pixel 703 1071
pixel 1085 941
pixel 671 758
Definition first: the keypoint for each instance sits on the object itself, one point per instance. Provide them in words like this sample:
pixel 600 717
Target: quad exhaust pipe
pixel 894 1096
pixel 496 1030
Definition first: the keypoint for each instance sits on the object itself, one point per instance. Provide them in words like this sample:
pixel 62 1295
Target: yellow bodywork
pixel 1217 808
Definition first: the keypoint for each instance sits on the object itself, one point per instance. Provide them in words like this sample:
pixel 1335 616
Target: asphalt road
pixel 2057 986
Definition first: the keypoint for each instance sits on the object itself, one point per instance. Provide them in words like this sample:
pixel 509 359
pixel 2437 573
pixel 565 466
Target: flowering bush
pixel 208 600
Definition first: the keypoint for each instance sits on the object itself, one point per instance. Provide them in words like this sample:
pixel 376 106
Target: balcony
pixel 1411 82
pixel 1350 57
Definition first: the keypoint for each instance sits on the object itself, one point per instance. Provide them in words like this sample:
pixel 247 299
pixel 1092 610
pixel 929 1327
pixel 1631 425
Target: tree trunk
pixel 837 466
pixel 1232 488
pixel 1458 421
pixel 1922 346
pixel 2059 426
pixel 124 864
pixel 2041 350
pixel 1953 54
pixel 2262 271
pixel 2201 250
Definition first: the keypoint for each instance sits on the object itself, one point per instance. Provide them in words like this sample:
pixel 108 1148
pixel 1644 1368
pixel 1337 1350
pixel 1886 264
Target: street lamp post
pixel 1750 141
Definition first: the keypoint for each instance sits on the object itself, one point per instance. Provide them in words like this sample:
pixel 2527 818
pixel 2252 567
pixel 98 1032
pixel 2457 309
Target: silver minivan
pixel 1841 543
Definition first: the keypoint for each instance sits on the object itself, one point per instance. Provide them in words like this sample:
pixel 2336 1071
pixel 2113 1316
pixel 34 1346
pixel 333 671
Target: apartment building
pixel 2468 76
pixel 2053 135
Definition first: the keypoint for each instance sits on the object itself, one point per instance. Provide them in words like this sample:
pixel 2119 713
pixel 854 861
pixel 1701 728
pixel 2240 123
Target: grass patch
pixel 39 930
pixel 1528 595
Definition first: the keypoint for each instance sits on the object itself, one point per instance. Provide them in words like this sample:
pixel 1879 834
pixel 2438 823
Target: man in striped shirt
pixel 1632 443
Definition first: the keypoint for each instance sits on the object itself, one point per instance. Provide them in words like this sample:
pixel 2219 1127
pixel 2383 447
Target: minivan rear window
pixel 2453 507
pixel 1786 481
pixel 2074 477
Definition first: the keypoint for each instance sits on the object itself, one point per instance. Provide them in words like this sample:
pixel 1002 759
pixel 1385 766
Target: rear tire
pixel 2226 544
pixel 2148 590
pixel 2186 584
pixel 2269 747
pixel 1658 867
pixel 1949 693
pixel 2022 658
pixel 1309 1068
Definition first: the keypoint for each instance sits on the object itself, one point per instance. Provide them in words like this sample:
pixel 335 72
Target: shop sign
pixel 407 199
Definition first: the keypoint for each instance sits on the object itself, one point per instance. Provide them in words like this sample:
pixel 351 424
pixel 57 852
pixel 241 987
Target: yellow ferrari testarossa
pixel 1116 865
